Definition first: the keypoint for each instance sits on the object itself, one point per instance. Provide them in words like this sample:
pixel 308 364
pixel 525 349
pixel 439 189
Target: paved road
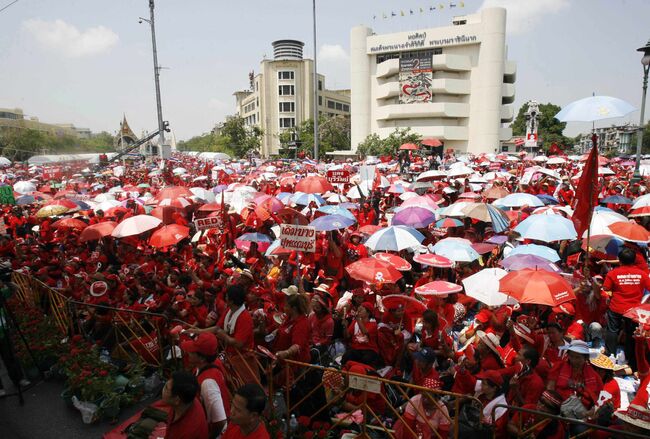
pixel 45 416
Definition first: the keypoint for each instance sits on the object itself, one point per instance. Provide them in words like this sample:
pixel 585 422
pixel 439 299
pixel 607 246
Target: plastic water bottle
pixel 293 423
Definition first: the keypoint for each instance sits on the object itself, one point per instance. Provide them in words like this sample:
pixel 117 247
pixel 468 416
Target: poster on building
pixel 415 80
pixel 298 238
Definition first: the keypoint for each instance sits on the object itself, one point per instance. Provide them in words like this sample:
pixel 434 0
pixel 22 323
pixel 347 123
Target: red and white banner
pixel 336 177
pixel 298 238
pixel 213 222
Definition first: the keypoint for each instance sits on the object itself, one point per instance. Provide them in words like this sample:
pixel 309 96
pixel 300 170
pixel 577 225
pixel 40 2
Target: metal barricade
pixel 296 372
pixel 543 418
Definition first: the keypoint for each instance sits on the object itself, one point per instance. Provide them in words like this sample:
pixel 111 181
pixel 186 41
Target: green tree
pixel 204 142
pixel 239 138
pixel 333 133
pixel 645 145
pixel 19 145
pixel 549 129
pixel 374 145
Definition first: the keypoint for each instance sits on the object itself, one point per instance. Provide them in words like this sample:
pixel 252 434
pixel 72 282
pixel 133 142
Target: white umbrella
pixel 394 238
pixel 179 171
pixel 456 209
pixel 135 225
pixel 594 108
pixel 203 194
pixel 103 197
pixel 547 228
pixel 540 158
pixel 24 187
pixel 105 205
pixel 336 198
pixel 556 161
pixel 431 175
pixel 519 199
pixel 602 218
pixel 484 287
pixel 4 161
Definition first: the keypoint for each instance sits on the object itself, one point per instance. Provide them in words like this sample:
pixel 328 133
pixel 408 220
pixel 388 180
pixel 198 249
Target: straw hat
pixel 491 340
pixel 323 288
pixel 291 290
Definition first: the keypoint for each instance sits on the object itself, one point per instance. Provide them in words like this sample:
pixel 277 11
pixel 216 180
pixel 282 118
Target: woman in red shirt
pixel 362 338
pixel 293 336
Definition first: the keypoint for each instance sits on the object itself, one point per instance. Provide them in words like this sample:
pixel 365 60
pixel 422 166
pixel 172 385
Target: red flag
pixel 587 192
pixel 376 180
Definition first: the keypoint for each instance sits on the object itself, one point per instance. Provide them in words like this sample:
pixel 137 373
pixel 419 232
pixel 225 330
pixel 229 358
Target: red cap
pixel 491 375
pixel 206 344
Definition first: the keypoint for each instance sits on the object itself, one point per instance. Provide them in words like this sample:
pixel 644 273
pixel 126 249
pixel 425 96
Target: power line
pixel 12 3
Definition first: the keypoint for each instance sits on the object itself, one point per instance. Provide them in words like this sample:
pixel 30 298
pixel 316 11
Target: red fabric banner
pixel 586 192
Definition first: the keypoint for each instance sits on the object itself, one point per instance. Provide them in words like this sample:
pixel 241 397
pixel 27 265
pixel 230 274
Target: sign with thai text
pixel 212 222
pixel 336 177
pixel 414 41
pixel 298 238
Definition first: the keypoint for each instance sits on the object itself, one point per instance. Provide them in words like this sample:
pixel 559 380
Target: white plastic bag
pixel 88 410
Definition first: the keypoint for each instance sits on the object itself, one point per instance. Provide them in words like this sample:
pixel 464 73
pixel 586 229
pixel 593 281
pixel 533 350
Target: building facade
pixel 451 83
pixel 281 95
pixel 615 139
pixel 14 118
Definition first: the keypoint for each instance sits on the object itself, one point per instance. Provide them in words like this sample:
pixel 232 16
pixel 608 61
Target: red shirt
pixel 626 284
pixel 192 425
pixel 295 332
pixel 321 329
pixel 243 330
pixel 234 432
pixel 360 341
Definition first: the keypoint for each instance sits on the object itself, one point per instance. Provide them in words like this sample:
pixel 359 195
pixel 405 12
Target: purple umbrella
pixel 522 261
pixel 416 217
pixel 332 222
pixel 497 239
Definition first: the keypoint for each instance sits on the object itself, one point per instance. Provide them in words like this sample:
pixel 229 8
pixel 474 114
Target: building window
pixel 257 86
pixel 320 85
pixel 285 75
pixel 331 104
pixel 339 106
pixel 504 148
pixel 408 55
pixel 346 108
pixel 287 107
pixel 287 122
pixel 286 90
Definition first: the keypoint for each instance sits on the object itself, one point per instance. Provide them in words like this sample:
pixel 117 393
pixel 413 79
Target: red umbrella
pixel 483 248
pixel 72 223
pixel 373 271
pixel 174 192
pixel 97 231
pixel 210 207
pixel 164 213
pixel 431 142
pixel 292 216
pixel 63 202
pixel 369 229
pixel 114 211
pixel 640 314
pixel 400 263
pixel 438 288
pixel 433 260
pixel 630 231
pixel 267 207
pixel 412 307
pixel 64 193
pixel 537 286
pixel 314 185
pixel 168 235
pixel 409 146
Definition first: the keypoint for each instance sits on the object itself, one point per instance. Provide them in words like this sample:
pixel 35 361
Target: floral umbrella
pixel 373 271
pixel 51 211
pixel 433 260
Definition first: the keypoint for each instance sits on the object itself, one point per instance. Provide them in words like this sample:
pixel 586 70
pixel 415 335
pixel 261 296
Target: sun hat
pixel 206 344
pixel 492 376
pixel 291 290
pixel 523 331
pixel 98 288
pixel 602 361
pixel 323 288
pixel 577 346
pixel 491 340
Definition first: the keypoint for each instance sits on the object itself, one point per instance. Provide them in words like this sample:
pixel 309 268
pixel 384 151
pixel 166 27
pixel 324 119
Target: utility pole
pixel 156 75
pixel 315 97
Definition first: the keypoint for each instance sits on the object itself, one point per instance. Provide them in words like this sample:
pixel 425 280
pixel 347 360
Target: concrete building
pixel 451 83
pixel 14 118
pixel 281 95
pixel 615 139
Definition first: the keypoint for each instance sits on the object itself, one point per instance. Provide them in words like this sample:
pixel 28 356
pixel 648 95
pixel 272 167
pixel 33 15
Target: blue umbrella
pixel 25 199
pixel 349 205
pixel 594 108
pixel 547 199
pixel 616 199
pixel 394 238
pixel 547 228
pixel 82 204
pixel 305 199
pixel 455 250
pixel 255 237
pixel 332 222
pixel 537 250
pixel 519 199
pixel 336 210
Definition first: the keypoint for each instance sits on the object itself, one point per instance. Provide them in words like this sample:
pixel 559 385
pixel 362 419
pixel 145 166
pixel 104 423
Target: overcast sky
pixel 89 61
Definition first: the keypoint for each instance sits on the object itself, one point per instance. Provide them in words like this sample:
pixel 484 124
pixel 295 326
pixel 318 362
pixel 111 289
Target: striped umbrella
pixel 394 238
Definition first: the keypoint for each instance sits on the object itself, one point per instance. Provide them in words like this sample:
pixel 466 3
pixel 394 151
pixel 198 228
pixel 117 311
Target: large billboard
pixel 415 80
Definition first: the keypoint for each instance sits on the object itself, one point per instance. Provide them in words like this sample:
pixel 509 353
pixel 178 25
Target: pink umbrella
pixel 135 225
pixel 438 288
pixel 433 260
pixel 394 260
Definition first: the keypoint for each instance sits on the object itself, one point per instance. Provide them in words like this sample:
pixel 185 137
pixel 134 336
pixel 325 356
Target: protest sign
pixel 213 222
pixel 298 238
pixel 336 177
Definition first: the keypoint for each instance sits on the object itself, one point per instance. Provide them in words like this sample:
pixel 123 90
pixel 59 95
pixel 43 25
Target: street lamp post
pixel 156 77
pixel 315 97
pixel 645 62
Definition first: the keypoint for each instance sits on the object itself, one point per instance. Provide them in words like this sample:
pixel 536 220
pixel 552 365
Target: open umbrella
pixel 606 245
pixel 97 231
pixel 537 286
pixel 522 261
pixel 135 225
pixel 174 192
pixel 495 192
pixel 51 211
pixel 169 235
pixel 408 147
pixel 332 222
pixel 616 199
pixel 400 263
pixel 432 260
pixel 537 250
pixel 519 199
pixel 305 199
pixel 601 219
pixel 448 222
pixel 488 213
pixel 547 228
pixel 314 185
pixel 413 308
pixel 416 217
pixel 431 142
pixel 373 271
pixel 484 287
pixel 594 108
pixel 640 314
pixel 24 187
pixel 630 231
pixel 438 288
pixel 71 223
pixel 394 238
pixel 336 210
pixel 455 250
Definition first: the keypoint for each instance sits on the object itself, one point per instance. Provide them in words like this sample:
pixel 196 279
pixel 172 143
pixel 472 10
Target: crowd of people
pixel 241 296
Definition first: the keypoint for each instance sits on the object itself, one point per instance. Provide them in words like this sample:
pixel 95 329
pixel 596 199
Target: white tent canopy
pixel 60 158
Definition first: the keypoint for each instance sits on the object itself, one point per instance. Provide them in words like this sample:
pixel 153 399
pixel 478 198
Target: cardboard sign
pixel 213 222
pixel 336 177
pixel 7 195
pixel 298 238
pixel 365 384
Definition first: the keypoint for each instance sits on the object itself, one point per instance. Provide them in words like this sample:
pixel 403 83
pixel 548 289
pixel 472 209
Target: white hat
pixel 577 346
pixel 98 289
pixel 291 290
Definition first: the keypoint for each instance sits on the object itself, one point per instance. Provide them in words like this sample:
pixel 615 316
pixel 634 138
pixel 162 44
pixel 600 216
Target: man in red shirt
pixel 624 285
pixel 187 418
pixel 246 414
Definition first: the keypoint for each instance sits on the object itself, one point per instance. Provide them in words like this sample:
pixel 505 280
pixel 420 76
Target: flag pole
pixel 594 140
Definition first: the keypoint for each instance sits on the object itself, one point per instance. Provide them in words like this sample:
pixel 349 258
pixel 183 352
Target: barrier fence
pixel 308 390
